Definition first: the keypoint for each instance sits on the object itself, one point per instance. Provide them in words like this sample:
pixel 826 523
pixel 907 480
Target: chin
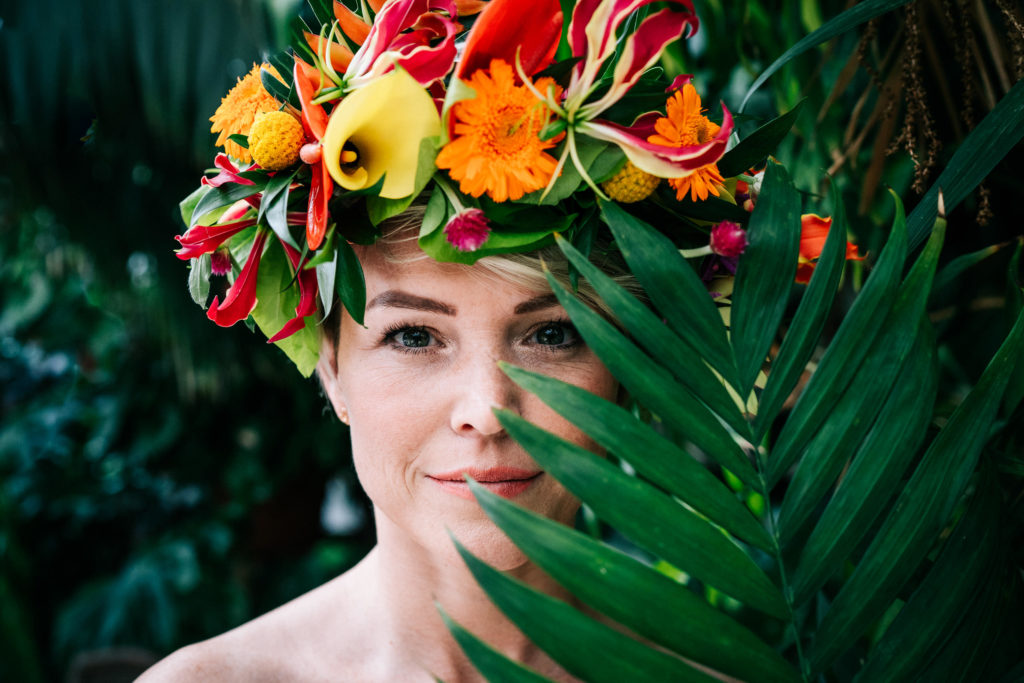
pixel 489 543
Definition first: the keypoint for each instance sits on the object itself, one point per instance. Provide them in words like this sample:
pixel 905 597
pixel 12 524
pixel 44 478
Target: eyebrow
pixel 537 303
pixel 394 298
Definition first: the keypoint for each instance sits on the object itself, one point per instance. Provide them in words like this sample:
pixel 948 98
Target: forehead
pixel 404 267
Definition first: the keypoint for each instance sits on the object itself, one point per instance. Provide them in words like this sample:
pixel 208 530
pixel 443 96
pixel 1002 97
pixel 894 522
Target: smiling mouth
pixel 507 482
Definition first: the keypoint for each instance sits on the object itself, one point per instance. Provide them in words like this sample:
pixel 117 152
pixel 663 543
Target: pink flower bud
pixel 468 230
pixel 728 239
pixel 220 261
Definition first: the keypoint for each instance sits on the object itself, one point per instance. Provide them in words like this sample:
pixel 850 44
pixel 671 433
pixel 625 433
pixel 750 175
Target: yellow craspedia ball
pixel 630 184
pixel 275 140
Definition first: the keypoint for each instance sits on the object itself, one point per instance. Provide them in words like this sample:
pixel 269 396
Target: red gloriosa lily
pixel 592 39
pixel 418 35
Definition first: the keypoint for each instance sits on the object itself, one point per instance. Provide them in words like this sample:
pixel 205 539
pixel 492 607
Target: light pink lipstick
pixel 507 482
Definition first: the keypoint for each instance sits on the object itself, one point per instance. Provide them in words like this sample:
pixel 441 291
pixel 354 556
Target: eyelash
pixel 388 336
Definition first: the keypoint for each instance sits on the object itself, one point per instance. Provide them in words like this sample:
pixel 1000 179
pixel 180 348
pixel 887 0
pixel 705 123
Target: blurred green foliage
pixel 162 480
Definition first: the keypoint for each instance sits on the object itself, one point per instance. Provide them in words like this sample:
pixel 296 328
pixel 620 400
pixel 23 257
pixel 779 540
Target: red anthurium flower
pixel 417 35
pixel 813 233
pixel 241 296
pixel 529 29
pixel 307 296
pixel 314 123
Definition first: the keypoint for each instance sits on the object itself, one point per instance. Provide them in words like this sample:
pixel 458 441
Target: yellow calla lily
pixel 383 124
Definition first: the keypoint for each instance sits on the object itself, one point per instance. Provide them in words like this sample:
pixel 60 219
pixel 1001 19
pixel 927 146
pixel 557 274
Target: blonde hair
pixel 397 245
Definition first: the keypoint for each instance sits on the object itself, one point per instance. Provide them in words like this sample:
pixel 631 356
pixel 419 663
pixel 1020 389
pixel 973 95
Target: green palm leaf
pixel 856 535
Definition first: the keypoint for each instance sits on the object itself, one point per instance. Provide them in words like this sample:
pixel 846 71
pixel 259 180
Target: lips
pixel 507 482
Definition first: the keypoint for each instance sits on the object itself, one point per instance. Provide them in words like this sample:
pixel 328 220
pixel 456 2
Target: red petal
pixel 203 239
pixel 314 118
pixel 241 297
pixel 307 296
pixel 320 188
pixel 228 173
pixel 813 232
pixel 505 26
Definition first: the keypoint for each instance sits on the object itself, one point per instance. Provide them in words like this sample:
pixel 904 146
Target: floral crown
pixel 512 130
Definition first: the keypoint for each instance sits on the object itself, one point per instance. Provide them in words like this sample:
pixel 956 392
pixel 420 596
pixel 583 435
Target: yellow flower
pixel 376 131
pixel 238 109
pixel 630 184
pixel 685 126
pixel 275 140
pixel 496 148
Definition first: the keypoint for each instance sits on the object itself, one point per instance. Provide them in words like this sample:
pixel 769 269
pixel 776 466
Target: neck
pixel 410 581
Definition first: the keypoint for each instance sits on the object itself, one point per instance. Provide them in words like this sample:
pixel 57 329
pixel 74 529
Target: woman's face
pixel 418 383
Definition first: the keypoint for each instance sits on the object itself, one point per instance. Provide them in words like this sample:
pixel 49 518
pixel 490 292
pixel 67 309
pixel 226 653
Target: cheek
pixel 595 379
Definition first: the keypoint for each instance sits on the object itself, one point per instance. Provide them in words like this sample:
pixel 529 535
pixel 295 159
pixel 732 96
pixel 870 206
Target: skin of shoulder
pixel 287 643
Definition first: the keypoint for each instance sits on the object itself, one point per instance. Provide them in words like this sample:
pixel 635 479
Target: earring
pixel 343 415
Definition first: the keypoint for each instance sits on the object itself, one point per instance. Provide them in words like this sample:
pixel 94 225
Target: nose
pixel 479 386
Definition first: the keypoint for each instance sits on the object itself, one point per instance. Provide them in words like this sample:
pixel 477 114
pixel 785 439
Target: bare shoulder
pixel 198 662
pixel 314 637
pixel 247 653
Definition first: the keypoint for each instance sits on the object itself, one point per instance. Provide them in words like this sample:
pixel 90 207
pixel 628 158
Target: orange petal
pixel 375 5
pixel 813 232
pixel 352 25
pixel 340 55
pixel 468 8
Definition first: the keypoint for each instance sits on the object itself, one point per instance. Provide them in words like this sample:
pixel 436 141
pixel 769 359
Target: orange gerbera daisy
pixel 686 126
pixel 495 147
pixel 239 108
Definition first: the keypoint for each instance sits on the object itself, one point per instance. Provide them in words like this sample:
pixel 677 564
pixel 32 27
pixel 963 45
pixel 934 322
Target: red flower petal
pixel 307 296
pixel 241 297
pixel 533 27
pixel 314 118
pixel 203 239
pixel 320 188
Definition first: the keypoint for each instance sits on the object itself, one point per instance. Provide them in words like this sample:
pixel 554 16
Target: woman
pixel 418 385
pixel 412 365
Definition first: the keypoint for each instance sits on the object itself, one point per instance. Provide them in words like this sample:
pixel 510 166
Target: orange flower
pixel 813 232
pixel 495 147
pixel 239 108
pixel 686 126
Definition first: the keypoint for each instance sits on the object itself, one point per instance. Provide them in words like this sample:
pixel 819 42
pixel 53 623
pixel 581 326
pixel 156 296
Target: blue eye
pixel 556 334
pixel 413 337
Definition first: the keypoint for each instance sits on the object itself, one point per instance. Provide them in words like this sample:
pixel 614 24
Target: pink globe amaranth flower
pixel 468 230
pixel 728 239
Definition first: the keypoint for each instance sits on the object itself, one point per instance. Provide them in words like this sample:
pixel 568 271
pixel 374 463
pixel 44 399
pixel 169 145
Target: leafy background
pixel 162 480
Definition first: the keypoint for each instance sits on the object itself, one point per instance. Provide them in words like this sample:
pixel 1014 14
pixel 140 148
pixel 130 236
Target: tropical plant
pixel 862 534
pixel 881 526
